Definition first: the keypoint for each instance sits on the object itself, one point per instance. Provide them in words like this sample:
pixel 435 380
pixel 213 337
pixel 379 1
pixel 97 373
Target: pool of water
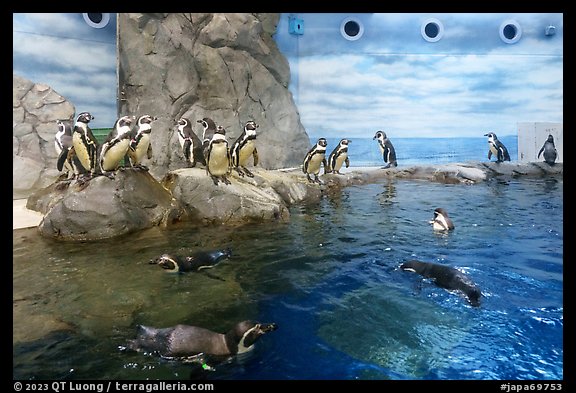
pixel 329 278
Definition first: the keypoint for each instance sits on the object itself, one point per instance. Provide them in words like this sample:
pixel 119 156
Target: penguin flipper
pixel 489 153
pixel 62 159
pixel 149 151
pixel 186 148
pixel 540 152
pixel 255 156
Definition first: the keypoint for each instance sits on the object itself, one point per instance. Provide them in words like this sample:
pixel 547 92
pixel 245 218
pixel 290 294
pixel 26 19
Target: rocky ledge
pixel 134 200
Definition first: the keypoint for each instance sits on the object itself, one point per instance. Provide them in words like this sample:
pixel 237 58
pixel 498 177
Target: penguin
pixel 85 144
pixel 441 221
pixel 218 157
pixel 338 157
pixel 314 159
pixel 446 277
pixel 185 341
pixel 116 145
pixel 209 128
pixel 243 148
pixel 549 150
pixel 190 143
pixel 140 142
pixel 192 263
pixel 63 144
pixel 386 148
pixel 497 148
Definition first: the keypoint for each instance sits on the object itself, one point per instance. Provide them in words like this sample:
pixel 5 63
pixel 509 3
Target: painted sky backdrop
pixel 466 84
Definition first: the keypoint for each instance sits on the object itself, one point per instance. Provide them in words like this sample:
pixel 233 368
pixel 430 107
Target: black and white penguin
pixel 191 263
pixel 497 148
pixel 314 159
pixel 243 148
pixel 116 145
pixel 446 277
pixel 386 148
pixel 549 150
pixel 190 143
pixel 63 144
pixel 185 341
pixel 441 221
pixel 140 145
pixel 338 157
pixel 208 130
pixel 85 144
pixel 217 153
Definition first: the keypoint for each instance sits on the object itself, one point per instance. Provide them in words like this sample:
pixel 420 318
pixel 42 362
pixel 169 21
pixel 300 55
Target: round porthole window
pixel 510 31
pixel 97 20
pixel 432 30
pixel 351 29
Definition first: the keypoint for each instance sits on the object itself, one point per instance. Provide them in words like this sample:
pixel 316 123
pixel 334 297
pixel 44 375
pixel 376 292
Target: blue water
pixel 329 278
pixel 365 152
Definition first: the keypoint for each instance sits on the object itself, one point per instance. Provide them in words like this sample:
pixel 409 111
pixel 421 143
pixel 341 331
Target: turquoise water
pixel 329 278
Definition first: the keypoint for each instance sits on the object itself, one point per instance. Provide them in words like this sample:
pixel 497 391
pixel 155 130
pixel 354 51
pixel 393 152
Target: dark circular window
pixel 351 29
pixel 432 30
pixel 510 31
pixel 97 20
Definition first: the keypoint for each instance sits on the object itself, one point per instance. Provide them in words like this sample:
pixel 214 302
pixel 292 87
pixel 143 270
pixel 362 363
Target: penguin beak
pixel 268 327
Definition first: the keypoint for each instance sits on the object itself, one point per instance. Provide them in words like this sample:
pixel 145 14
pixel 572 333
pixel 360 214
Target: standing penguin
pixel 497 148
pixel 116 145
pixel 315 158
pixel 140 142
pixel 209 128
pixel 190 143
pixel 338 157
pixel 243 148
pixel 84 142
pixel 441 221
pixel 386 148
pixel 218 157
pixel 549 150
pixel 63 144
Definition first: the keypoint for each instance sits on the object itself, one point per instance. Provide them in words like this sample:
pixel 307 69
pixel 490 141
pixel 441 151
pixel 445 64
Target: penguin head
pixel 550 139
pixel 380 135
pixel 220 130
pixel 491 136
pixel 440 212
pixel 473 294
pixel 166 262
pixel 207 123
pixel 412 266
pixel 243 335
pixel 84 117
pixel 322 142
pixel 146 119
pixel 251 125
pixel 345 142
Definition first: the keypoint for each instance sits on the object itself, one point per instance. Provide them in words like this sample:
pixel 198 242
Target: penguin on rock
pixel 387 149
pixel 243 148
pixel 190 143
pixel 338 157
pixel 64 146
pixel 549 150
pixel 497 148
pixel 209 129
pixel 218 158
pixel 314 159
pixel 140 145
pixel 85 144
pixel 116 145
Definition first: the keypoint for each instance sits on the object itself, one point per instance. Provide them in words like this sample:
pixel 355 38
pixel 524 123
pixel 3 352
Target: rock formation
pixel 225 66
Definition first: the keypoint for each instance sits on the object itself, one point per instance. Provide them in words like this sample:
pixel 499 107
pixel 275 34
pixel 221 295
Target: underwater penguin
pixel 243 148
pixel 208 130
pixel 338 157
pixel 218 157
pixel 549 150
pixel 386 148
pixel 84 142
pixel 314 159
pixel 192 263
pixel 116 145
pixel 497 148
pixel 140 142
pixel 441 221
pixel 183 341
pixel 446 277
pixel 190 143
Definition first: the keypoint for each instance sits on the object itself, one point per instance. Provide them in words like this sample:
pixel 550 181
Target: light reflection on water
pixel 329 278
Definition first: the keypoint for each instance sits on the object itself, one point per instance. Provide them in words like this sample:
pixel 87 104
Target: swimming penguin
pixel 441 221
pixel 338 157
pixel 116 145
pixel 183 341
pixel 140 142
pixel 497 148
pixel 243 148
pixel 218 157
pixel 63 144
pixel 314 159
pixel 209 128
pixel 192 263
pixel 446 277
pixel 85 144
pixel 190 143
pixel 386 148
pixel 549 150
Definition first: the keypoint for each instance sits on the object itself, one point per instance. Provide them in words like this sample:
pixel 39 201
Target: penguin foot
pixel 247 172
pixel 225 180
pixel 240 173
pixel 109 175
